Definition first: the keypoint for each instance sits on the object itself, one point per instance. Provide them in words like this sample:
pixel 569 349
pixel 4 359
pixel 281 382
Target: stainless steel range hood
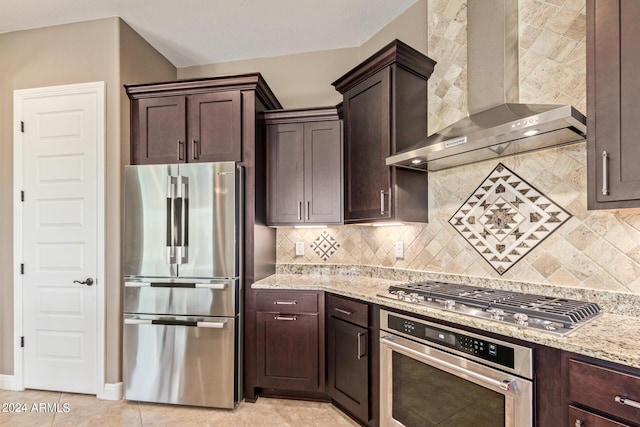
pixel 497 125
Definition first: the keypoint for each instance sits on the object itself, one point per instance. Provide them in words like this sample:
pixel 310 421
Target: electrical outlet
pixel 299 248
pixel 399 250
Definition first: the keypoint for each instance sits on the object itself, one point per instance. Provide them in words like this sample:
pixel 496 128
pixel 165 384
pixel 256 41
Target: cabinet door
pixel 348 366
pixel 581 418
pixel 158 133
pixel 215 127
pixel 286 176
pixel 288 352
pixel 367 145
pixel 613 93
pixel 323 172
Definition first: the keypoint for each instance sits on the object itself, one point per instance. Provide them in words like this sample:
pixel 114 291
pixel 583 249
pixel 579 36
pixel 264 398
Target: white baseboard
pixel 7 382
pixel 112 392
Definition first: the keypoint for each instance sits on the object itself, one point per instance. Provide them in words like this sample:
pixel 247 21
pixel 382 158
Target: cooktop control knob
pixel 401 295
pixel 413 297
pixel 450 304
pixel 521 319
pixel 496 313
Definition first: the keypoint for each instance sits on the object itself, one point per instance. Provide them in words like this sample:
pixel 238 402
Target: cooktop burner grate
pixel 566 311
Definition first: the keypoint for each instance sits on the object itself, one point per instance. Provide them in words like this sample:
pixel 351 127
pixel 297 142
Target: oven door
pixel 424 386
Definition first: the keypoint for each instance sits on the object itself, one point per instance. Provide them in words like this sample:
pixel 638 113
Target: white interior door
pixel 60 229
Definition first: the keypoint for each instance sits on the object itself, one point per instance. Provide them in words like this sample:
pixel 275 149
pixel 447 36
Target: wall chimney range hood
pixel 497 125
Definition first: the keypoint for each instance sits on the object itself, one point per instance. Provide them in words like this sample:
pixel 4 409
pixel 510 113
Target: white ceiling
pixel 196 32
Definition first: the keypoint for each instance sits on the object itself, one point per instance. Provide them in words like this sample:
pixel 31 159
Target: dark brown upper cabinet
pixel 198 120
pixel 613 90
pixel 385 111
pixel 304 166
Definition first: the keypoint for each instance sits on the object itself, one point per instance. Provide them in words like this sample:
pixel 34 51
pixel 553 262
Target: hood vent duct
pixel 497 125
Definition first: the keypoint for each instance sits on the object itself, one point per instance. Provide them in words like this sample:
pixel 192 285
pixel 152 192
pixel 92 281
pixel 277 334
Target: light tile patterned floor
pixel 84 410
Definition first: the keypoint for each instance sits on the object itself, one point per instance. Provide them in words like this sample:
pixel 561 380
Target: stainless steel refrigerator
pixel 183 284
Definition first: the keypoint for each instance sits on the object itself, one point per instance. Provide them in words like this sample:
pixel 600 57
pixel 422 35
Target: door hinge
pixel 22 126
pixel 22 196
pixel 22 342
pixel 21 268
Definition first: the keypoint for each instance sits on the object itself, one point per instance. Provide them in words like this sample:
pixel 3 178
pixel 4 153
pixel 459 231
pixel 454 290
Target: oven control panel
pixel 480 347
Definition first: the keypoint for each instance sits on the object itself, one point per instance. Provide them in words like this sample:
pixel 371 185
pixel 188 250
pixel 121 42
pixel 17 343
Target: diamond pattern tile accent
pixel 325 246
pixel 506 217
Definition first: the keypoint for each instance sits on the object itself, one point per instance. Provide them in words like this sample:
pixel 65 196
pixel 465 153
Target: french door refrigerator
pixel 182 284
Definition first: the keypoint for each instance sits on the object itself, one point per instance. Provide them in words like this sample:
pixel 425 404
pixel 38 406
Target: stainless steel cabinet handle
pixel 308 209
pixel 180 150
pixel 605 174
pixel 285 302
pixel 360 346
pixel 381 202
pixel 340 310
pixel 624 401
pixel 195 154
pixel 300 211
pixel 288 318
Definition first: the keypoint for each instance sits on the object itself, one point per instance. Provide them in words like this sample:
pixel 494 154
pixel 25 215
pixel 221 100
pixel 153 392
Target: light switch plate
pixel 399 250
pixel 299 248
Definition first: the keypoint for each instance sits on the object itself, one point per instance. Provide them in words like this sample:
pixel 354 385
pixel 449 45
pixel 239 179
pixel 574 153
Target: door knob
pixel 87 282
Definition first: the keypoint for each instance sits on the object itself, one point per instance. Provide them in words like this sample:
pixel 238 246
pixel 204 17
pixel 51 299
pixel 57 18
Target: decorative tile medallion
pixel 505 218
pixel 325 246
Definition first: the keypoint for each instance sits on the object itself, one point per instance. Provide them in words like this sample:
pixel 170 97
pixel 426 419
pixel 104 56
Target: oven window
pixel 425 396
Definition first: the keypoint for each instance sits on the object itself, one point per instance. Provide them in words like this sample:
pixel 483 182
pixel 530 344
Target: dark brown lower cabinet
pixel 351 358
pixel 290 341
pixel 348 366
pixel 602 394
pixel 582 418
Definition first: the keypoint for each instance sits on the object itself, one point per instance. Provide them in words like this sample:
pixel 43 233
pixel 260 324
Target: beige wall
pixel 68 54
pixel 58 55
pixel 304 80
pixel 138 62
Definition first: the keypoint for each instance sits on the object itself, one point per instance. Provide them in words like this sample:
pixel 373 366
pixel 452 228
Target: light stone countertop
pixel 611 337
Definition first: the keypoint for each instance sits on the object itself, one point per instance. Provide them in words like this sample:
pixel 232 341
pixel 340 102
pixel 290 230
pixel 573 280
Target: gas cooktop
pixel 550 314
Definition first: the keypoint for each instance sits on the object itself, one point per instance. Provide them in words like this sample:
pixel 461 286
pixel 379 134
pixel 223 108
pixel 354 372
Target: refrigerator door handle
pixel 179 219
pixel 171 207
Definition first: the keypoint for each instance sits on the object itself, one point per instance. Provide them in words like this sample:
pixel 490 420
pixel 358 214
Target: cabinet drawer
pixel 580 418
pixel 349 310
pixel 598 387
pixel 287 301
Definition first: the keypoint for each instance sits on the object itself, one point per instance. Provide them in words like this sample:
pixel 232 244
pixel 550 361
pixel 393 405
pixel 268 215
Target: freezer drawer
pixel 186 298
pixel 182 360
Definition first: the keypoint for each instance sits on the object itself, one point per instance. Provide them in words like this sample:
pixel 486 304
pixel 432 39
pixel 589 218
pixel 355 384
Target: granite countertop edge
pixel 606 337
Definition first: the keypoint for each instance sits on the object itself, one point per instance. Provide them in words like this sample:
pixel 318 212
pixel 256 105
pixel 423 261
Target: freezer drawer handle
pixel 137 284
pixel 212 325
pixel 211 285
pixel 137 321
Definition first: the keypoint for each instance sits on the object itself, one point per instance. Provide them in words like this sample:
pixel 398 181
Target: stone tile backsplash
pixel 592 249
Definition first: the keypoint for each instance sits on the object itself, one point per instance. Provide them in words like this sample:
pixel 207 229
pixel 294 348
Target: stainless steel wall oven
pixel 435 375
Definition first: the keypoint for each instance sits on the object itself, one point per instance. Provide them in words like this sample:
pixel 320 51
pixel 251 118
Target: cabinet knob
pixel 578 422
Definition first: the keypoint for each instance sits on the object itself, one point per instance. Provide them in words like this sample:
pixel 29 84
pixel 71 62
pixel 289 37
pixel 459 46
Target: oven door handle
pixel 506 385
